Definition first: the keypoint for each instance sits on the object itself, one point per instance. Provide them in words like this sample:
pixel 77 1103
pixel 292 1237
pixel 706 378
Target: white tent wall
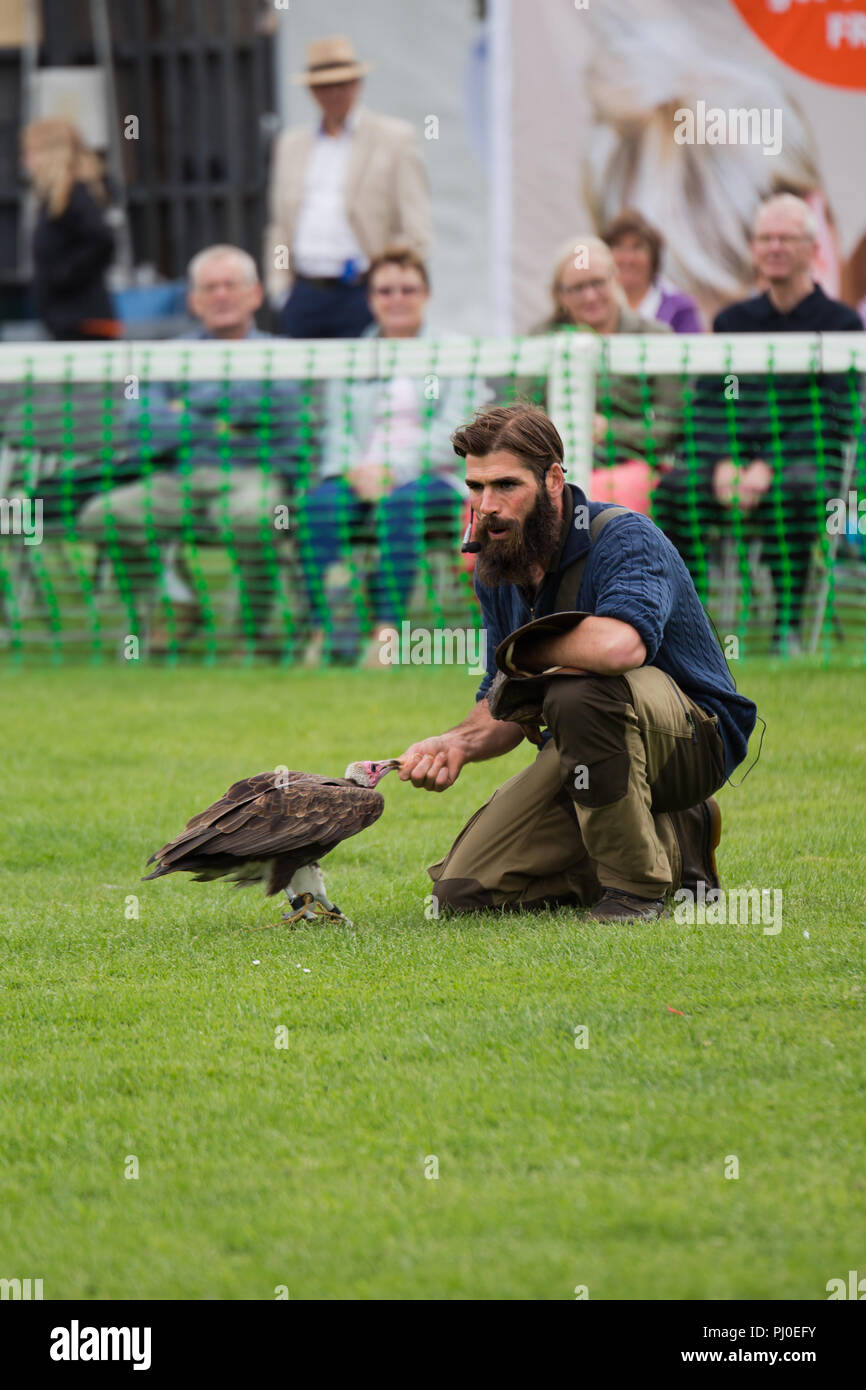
pixel 423 67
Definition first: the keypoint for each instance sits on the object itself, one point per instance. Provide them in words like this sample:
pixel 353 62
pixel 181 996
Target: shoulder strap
pixel 569 584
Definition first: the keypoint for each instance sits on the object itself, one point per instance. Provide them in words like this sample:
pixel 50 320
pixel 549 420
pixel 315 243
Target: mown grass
pixel 411 1037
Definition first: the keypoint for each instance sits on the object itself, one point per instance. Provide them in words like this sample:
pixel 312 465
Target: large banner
pixel 825 39
pixel 691 111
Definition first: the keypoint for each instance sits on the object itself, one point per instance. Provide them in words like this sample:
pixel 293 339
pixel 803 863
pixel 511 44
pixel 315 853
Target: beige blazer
pixel 387 197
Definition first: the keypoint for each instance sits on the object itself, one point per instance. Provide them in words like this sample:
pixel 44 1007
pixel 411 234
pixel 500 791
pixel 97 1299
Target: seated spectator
pixel 637 252
pixel 631 436
pixel 73 245
pixel 388 467
pixel 781 457
pixel 222 456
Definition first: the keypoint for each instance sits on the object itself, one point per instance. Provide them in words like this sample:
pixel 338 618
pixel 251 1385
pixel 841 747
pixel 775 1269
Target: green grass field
pixel 304 1166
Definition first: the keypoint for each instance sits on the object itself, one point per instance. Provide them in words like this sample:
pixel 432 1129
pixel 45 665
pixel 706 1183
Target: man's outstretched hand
pixel 434 763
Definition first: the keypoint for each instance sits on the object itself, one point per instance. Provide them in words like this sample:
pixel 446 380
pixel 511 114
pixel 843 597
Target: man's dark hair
pixel 633 223
pixel 522 429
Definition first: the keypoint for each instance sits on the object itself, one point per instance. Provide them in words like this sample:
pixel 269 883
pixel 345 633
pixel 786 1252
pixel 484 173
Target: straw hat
pixel 331 60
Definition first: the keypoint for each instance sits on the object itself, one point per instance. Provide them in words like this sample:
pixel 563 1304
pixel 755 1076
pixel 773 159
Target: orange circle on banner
pixel 824 39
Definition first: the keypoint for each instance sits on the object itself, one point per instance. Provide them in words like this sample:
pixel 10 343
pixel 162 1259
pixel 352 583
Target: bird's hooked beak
pixel 380 770
pixel 367 774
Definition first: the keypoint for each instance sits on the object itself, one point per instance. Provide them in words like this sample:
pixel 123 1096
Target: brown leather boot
pixel 618 906
pixel 698 831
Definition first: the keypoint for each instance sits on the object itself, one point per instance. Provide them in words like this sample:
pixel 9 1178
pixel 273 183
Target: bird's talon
pixel 332 913
pixel 301 910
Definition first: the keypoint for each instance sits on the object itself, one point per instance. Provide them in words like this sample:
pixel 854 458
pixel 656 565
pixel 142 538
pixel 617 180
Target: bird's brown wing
pixel 257 819
pixel 239 792
pixel 199 827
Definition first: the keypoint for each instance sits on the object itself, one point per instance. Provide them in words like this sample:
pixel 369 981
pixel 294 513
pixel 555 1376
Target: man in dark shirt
pixel 643 725
pixel 776 451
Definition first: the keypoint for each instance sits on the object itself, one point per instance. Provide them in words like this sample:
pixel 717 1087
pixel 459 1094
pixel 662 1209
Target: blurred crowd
pixel 346 255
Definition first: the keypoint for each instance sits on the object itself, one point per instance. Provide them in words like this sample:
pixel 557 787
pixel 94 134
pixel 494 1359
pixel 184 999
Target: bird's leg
pixel 301 909
pixel 309 884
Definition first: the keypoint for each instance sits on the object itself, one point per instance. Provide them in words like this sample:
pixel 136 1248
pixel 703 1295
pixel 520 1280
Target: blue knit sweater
pixel 636 575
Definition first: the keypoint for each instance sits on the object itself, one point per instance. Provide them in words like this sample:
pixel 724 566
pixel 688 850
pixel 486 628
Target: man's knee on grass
pixel 455 896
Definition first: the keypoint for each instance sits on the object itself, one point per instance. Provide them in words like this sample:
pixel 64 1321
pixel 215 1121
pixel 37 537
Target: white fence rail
pixel 568 361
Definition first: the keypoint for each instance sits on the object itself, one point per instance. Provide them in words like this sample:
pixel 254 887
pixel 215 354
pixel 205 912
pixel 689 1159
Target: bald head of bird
pixel 367 774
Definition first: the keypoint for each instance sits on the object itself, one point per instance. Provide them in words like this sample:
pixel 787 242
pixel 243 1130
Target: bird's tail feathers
pixel 158 872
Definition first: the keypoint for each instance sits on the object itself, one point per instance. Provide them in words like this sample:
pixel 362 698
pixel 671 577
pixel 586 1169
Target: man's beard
pixel 530 543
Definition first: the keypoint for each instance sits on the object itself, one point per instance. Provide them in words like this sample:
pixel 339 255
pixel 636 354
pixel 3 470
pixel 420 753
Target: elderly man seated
pixel 777 454
pixel 636 422
pixel 219 458
pixel 388 468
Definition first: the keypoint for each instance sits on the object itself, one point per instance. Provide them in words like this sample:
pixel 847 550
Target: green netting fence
pixel 267 499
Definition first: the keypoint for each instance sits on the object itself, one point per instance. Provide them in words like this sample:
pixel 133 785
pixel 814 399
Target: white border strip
pixel 275 359
pixel 358 358
pixel 697 353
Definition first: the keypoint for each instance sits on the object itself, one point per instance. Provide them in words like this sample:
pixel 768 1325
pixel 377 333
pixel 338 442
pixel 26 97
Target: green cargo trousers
pixel 591 812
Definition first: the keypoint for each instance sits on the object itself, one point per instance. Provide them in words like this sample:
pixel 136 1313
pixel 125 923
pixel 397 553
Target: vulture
pixel 274 828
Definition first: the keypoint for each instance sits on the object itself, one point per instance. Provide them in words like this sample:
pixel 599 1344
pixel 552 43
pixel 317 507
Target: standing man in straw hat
pixel 339 194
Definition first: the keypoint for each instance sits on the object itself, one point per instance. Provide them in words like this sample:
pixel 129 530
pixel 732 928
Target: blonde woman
pixel 637 424
pixel 72 244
